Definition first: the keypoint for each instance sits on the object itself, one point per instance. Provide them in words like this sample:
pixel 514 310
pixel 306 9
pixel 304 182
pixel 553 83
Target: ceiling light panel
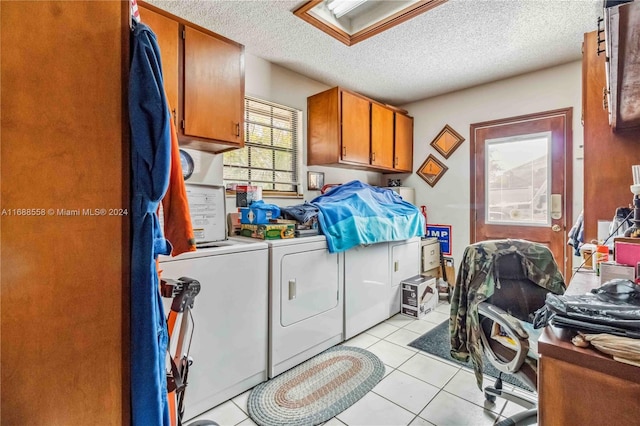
pixel 339 8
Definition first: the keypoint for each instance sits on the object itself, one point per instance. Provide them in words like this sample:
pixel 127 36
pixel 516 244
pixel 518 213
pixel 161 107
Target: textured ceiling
pixel 459 44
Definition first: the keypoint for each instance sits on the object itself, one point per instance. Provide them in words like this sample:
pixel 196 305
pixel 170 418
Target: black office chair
pixel 512 265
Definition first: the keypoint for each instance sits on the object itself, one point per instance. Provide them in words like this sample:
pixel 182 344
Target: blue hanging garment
pixel 150 165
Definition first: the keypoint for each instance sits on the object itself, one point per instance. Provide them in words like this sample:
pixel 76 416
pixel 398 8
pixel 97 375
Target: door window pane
pixel 518 180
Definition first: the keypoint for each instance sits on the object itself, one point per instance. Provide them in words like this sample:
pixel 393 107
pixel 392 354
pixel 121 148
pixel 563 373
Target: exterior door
pixel 521 181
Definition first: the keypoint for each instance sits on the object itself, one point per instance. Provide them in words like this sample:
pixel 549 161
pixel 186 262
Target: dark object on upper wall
pixel 622 36
pixel 614 3
pixel 610 155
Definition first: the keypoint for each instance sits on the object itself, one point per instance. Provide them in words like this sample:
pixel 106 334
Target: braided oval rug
pixel 316 390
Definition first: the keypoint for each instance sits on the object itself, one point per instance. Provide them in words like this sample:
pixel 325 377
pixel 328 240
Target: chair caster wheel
pixel 489 397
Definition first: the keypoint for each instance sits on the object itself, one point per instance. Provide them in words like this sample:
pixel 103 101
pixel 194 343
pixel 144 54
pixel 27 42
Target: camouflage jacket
pixel 476 282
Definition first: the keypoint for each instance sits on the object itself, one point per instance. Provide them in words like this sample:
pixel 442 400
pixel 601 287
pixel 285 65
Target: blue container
pixel 255 216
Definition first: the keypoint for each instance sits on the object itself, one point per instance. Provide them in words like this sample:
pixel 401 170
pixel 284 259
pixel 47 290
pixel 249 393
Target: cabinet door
pixel 381 136
pixel 609 155
pixel 166 31
pixel 355 129
pixel 213 88
pixel 404 143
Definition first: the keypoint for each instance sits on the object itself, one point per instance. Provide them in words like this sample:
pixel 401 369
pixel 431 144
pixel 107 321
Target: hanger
pixel 135 14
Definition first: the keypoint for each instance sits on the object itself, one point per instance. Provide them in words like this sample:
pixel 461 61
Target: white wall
pixel 270 82
pixel 448 202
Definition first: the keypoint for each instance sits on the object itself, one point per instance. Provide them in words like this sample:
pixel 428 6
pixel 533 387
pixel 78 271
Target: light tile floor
pixel 417 389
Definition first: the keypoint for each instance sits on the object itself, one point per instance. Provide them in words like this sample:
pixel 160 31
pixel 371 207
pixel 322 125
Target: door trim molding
pixel 567 113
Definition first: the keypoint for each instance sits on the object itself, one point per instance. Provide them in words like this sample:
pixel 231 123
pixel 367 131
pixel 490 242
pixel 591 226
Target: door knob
pixel 556 228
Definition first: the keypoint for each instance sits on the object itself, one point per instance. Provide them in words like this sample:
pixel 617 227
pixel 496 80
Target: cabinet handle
pixel 396 162
pixel 175 118
pixel 237 129
pixel 344 151
pixel 373 156
pixel 396 266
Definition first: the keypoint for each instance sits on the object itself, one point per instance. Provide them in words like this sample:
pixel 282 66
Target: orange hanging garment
pixel 177 220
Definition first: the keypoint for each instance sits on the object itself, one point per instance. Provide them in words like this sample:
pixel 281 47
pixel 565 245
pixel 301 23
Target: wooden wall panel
pixel 608 156
pixel 571 394
pixel 64 315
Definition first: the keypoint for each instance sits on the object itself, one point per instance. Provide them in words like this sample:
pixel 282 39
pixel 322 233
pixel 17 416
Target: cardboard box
pixel 247 194
pixel 419 296
pixel 233 224
pixel 587 251
pixel 450 271
pixel 612 270
pixel 254 217
pixel 268 232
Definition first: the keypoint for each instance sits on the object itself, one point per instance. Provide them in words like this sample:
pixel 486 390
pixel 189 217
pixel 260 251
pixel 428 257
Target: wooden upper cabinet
pixel 323 128
pixel 346 129
pixel 166 31
pixel 356 128
pixel 213 88
pixel 622 24
pixel 608 155
pixel 204 81
pixel 403 160
pixel 382 135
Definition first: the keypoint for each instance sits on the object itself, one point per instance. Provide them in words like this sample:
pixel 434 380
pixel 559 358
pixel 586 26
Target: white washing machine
pixel 229 342
pixel 372 276
pixel 366 277
pixel 306 311
pixel 230 314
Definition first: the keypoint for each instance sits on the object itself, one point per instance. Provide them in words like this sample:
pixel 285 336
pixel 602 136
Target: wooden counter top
pixel 583 386
pixel 556 342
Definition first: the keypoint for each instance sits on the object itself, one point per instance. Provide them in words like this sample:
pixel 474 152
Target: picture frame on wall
pixel 432 170
pixel 447 141
pixel 315 181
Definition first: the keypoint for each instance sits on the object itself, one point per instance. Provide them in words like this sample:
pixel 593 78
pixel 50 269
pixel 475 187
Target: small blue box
pixel 254 217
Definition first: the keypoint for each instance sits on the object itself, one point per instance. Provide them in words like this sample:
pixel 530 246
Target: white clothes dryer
pixel 306 300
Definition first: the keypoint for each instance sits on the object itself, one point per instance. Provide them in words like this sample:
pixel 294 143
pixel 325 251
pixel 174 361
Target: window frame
pixel 296 150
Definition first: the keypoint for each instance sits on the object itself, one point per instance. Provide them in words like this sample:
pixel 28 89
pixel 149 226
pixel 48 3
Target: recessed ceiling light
pixel 339 8
pixel 352 21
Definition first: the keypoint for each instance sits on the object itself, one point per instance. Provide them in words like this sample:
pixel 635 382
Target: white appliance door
pixel 366 287
pixel 308 285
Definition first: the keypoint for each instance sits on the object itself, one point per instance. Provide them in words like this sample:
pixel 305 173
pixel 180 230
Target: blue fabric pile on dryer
pixel 356 213
pixel 301 212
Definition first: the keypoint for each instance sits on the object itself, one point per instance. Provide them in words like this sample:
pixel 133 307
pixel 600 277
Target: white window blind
pixel 270 156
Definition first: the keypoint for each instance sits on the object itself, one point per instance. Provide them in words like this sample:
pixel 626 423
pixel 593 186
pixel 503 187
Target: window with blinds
pixel 270 155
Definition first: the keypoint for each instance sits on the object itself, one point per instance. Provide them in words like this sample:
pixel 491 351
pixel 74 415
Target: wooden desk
pixel 582 386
